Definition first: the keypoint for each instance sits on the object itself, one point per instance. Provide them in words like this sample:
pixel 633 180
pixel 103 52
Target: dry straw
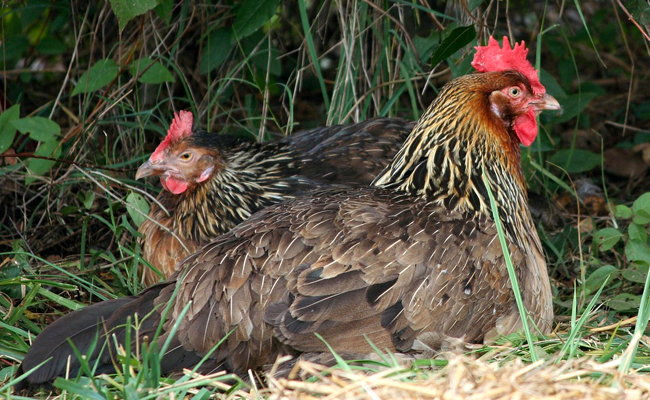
pixel 465 378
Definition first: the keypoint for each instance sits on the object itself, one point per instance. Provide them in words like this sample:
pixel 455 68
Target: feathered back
pixel 249 176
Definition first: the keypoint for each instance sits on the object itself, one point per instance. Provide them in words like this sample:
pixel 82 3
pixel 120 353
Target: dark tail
pixel 83 327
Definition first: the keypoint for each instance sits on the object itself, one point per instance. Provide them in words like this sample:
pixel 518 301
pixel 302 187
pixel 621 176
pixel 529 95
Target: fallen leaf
pixel 644 149
pixel 625 163
pixel 586 225
pixel 9 160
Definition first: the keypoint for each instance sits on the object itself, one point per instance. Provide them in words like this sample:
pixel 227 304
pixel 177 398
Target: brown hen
pixel 410 264
pixel 213 182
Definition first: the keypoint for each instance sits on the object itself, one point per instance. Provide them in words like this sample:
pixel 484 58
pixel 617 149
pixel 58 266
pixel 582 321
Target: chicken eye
pixel 186 156
pixel 515 91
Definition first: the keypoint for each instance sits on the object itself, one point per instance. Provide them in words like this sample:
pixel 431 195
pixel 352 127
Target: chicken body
pixel 411 264
pixel 244 177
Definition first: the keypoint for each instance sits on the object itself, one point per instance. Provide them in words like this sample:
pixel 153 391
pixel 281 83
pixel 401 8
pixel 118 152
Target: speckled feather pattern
pixel 412 263
pixel 402 272
pixel 252 176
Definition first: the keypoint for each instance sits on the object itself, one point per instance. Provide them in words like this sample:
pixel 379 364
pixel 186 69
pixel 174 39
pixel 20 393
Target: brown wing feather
pixel 352 265
pixel 350 154
pixel 343 154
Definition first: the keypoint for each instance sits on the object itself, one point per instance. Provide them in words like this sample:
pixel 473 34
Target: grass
pixel 69 238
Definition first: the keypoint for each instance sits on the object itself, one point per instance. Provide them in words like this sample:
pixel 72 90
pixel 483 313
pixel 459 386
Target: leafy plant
pixel 633 242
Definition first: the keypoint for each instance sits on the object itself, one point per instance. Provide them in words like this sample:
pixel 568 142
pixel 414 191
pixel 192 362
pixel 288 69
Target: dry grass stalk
pixel 465 378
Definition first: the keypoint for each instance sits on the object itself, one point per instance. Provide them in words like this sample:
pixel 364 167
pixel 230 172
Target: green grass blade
pixel 639 329
pixel 312 51
pixel 571 345
pixel 554 178
pixel 341 362
pixel 584 23
pixel 511 271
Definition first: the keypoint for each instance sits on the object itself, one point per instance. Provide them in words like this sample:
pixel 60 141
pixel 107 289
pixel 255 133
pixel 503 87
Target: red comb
pixel 181 126
pixel 492 58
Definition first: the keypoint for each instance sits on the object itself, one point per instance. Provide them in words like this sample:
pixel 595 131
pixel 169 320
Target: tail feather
pixel 83 327
pixel 176 357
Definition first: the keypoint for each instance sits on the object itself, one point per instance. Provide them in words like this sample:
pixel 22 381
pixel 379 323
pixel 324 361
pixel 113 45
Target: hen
pixel 213 182
pixel 410 264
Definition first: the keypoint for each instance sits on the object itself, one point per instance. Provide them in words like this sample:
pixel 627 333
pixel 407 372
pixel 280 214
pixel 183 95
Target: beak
pixel 547 102
pixel 148 169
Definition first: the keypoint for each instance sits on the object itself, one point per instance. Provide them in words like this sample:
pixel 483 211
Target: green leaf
pixel 642 112
pixel 457 39
pixel 636 273
pixel 38 166
pixel 552 87
pixel 637 251
pixel 596 279
pixel 156 73
pixel 126 10
pixel 68 210
pixel 99 75
pixel 7 128
pixel 50 45
pixel 637 232
pixel 89 199
pixel 14 47
pixel 624 302
pixel 12 270
pixel 573 105
pixel 591 87
pixel 640 10
pixel 38 128
pixel 252 15
pixel 164 10
pixel 260 57
pixel 216 49
pixel 31 13
pixel 577 160
pixel 139 203
pixel 623 211
pixel 472 4
pixel 641 208
pixel 425 45
pixel 465 66
pixel 261 61
pixel 607 238
pixel 202 394
pixel 642 217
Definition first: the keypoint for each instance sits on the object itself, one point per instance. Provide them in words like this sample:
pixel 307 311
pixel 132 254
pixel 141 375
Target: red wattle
pixel 526 127
pixel 173 185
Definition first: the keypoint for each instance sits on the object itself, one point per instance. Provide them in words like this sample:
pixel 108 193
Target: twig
pixel 72 60
pixel 398 24
pixel 117 198
pixel 631 18
pixel 625 126
pixel 75 163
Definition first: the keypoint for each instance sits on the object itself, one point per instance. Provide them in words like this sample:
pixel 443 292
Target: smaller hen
pixel 213 182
